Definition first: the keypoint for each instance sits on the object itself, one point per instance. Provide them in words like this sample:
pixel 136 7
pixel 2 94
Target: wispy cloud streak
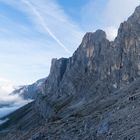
pixel 43 24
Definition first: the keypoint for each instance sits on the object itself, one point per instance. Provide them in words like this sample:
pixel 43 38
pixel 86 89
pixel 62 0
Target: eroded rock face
pixel 55 77
pixel 97 68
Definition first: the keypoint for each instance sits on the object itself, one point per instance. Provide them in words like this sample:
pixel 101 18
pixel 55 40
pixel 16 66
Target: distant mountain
pixel 93 95
pixel 30 91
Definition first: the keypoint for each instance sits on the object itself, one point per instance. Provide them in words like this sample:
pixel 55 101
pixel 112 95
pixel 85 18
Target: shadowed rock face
pixel 92 95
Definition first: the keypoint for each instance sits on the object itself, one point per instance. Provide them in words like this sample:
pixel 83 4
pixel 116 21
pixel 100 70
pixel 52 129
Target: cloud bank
pixel 8 102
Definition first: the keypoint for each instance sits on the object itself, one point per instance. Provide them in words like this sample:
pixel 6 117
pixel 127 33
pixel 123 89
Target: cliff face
pixel 97 68
pixel 93 94
pixel 117 62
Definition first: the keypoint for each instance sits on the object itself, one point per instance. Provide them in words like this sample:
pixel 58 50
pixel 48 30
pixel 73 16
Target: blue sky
pixel 72 7
pixel 32 32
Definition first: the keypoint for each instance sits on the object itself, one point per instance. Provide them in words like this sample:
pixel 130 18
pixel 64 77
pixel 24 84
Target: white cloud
pixel 6 87
pixel 117 11
pixel 111 32
pixel 107 15
pixel 8 102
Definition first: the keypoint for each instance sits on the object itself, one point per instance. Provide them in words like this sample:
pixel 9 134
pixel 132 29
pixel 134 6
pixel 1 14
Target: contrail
pixel 43 24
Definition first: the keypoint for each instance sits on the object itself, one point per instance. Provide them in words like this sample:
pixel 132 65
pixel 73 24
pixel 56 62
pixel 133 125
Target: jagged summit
pixel 97 36
pixel 130 28
pixel 136 15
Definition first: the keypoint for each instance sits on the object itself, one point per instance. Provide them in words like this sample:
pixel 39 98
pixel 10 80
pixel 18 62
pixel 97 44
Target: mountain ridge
pixel 92 95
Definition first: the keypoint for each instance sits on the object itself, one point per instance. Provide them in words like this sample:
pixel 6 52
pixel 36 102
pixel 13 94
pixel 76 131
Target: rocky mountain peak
pixel 130 28
pixel 93 37
pixel 136 14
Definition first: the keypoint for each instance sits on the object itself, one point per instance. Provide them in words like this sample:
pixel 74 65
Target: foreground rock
pixel 92 95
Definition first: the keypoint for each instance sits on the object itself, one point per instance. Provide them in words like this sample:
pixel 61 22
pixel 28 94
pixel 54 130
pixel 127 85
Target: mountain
pixel 30 91
pixel 93 95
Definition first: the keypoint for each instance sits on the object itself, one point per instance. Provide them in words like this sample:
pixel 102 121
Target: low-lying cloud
pixel 9 102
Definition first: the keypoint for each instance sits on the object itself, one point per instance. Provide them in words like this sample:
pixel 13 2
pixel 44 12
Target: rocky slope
pixel 92 95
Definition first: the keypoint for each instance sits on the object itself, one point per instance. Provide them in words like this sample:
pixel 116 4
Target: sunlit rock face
pixel 95 93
